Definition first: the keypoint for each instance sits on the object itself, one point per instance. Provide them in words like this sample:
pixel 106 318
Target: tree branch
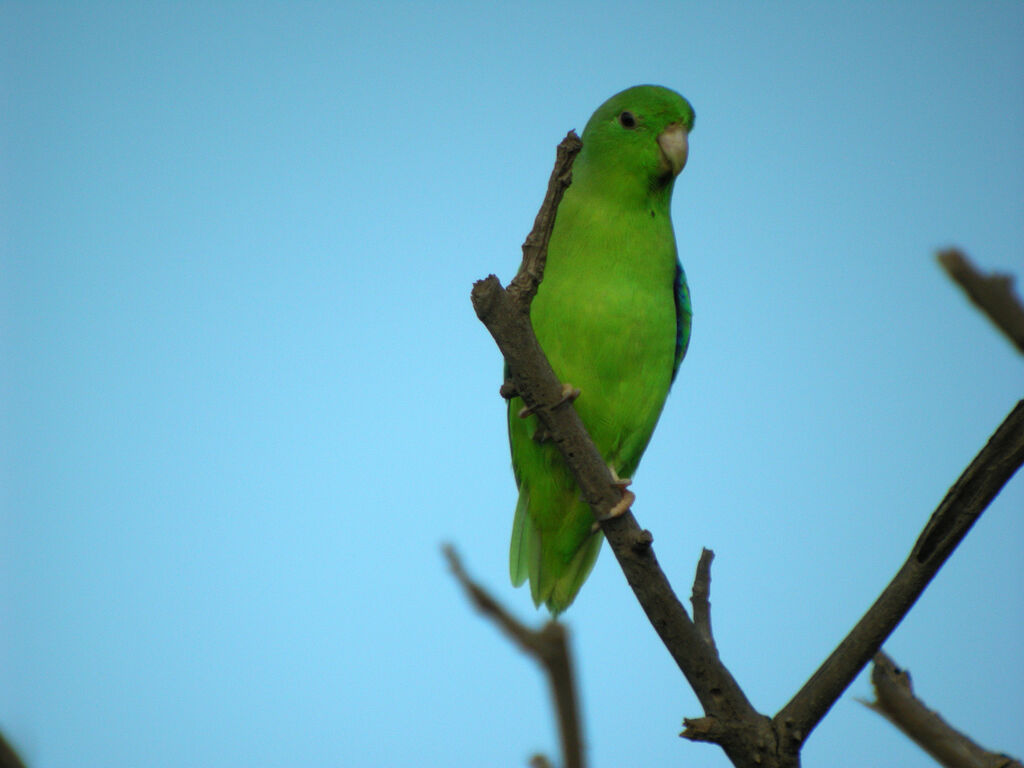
pixel 549 646
pixel 744 734
pixel 958 511
pixel 992 294
pixel 747 737
pixel 896 702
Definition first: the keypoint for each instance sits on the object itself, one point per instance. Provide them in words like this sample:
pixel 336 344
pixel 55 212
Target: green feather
pixel 613 317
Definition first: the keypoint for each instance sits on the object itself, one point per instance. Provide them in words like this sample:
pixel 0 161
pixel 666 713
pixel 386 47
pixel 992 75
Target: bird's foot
pixel 622 507
pixel 569 393
pixel 541 435
pixel 628 497
pixel 619 482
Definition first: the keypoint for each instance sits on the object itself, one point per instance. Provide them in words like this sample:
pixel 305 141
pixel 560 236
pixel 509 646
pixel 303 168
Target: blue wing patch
pixel 684 314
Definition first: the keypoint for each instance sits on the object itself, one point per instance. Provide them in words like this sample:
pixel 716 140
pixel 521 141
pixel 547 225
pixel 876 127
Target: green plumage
pixel 613 316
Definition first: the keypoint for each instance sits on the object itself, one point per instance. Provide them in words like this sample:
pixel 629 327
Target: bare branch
pixel 745 735
pixel 535 248
pixel 896 702
pixel 700 598
pixel 992 294
pixel 549 646
pixel 958 511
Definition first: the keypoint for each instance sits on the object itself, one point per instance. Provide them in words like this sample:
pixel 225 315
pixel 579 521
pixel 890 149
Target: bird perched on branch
pixel 613 317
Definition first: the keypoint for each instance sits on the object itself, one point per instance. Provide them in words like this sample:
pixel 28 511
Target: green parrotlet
pixel 613 316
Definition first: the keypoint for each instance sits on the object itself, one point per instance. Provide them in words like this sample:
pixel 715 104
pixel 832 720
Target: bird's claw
pixel 628 497
pixel 622 507
pixel 569 393
pixel 619 482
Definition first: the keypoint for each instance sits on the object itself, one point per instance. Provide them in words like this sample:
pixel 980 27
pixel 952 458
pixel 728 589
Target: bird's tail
pixel 556 571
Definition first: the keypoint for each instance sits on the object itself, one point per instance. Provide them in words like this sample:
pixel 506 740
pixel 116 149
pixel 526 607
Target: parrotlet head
pixel 639 136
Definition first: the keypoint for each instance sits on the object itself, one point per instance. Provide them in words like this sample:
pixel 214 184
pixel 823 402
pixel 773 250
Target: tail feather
pixel 518 559
pixel 555 575
pixel 567 585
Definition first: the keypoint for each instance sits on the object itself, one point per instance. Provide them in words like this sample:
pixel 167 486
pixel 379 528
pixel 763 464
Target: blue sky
pixel 245 397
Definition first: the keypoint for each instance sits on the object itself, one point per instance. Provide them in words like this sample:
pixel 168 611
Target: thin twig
pixel 700 598
pixel 535 248
pixel 992 294
pixel 994 465
pixel 896 702
pixel 549 646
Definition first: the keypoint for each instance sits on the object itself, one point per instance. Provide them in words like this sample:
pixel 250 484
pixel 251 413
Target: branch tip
pixel 992 293
pixel 896 702
pixel 700 598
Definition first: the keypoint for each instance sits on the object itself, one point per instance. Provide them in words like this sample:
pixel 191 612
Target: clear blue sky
pixel 245 397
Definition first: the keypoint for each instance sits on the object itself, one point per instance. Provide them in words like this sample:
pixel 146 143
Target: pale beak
pixel 674 148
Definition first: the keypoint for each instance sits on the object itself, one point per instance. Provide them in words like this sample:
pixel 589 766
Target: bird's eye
pixel 627 120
